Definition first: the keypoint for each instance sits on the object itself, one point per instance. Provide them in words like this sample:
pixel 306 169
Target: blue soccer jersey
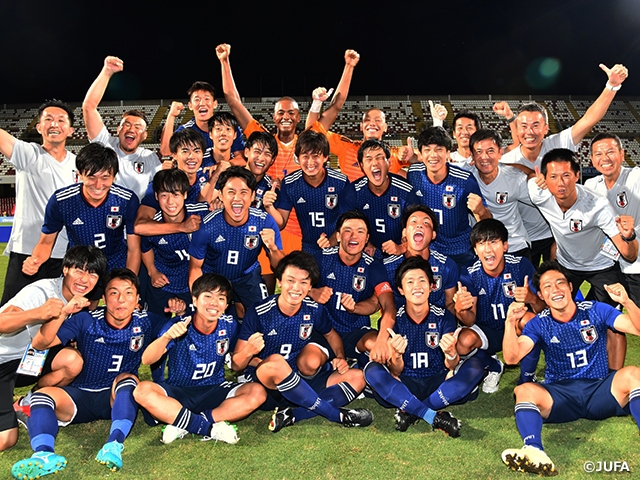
pixel 577 348
pixel 317 208
pixel 423 357
pixel 445 276
pixel 102 226
pixel 360 280
pixel 448 199
pixel 263 186
pixel 171 252
pixel 107 351
pixel 384 211
pixel 197 359
pixel 495 294
pixel 193 195
pixel 231 251
pixel 285 335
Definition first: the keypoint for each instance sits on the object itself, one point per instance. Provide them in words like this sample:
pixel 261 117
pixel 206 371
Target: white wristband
pixel 612 88
pixel 316 105
pixel 451 358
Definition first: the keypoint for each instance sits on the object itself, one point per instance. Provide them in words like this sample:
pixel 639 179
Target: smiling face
pixel 259 159
pixel 531 128
pixel 415 287
pixel 189 158
pixel 295 286
pixel 202 104
pixel 78 281
pixel 375 166
pixel 561 181
pixel 223 136
pixel 236 199
pixel 463 129
pixel 374 124
pixel 286 116
pixel 171 204
pixel 312 165
pixel 434 158
pixel 95 188
pixel 132 131
pixel 418 232
pixel 555 290
pixel 353 236
pixel 491 255
pixel 54 126
pixel 120 298
pixel 486 156
pixel 210 305
pixel 607 157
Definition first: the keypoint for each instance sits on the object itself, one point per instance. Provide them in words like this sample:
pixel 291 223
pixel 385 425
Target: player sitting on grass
pixel 418 378
pixel 277 331
pixel 196 398
pixel 578 382
pixel 111 340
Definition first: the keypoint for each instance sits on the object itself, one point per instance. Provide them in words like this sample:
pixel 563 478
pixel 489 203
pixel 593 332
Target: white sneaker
pixel 491 381
pixel 223 431
pixel 529 459
pixel 171 433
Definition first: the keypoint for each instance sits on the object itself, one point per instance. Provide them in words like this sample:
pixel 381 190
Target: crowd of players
pixel 464 253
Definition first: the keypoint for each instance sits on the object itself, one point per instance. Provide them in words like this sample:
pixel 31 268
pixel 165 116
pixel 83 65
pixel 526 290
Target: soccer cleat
pixel 491 381
pixel 38 465
pixel 111 455
pixel 447 423
pixel 404 420
pixel 280 419
pixel 223 431
pixel 171 433
pixel 356 417
pixel 529 459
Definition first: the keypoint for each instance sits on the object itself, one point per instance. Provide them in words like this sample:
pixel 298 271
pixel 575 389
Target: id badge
pixel 32 361
pixel 609 250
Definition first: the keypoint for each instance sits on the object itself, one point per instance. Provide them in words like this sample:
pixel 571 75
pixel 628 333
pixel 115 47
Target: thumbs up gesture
pixel 462 298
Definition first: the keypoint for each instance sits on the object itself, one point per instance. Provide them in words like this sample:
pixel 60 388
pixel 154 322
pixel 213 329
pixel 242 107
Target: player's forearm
pixel 466 317
pixel 195 272
pixel 42 251
pixel 335 342
pixel 593 115
pixel 395 364
pixel 232 96
pixel 14 320
pixel 367 307
pixel 510 347
pixel 92 119
pixel 47 335
pixel 7 141
pixel 275 256
pixel 241 359
pixel 167 132
pixel 155 350
pixel 133 253
pixel 629 250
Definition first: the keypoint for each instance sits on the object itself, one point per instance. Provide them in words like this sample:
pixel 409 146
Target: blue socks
pixel 191 422
pixel 123 411
pixel 43 424
pixel 298 392
pixel 456 388
pixel 337 395
pixel 529 423
pixel 634 404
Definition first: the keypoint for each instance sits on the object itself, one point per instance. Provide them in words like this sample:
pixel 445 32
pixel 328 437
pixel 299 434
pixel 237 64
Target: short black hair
pixel 88 258
pixel 434 136
pixel 199 85
pixel 223 118
pixel 534 107
pixel 237 172
pixel 419 207
pixel 487 230
pixel 265 139
pixel 94 158
pixel 413 263
pixel 559 155
pixel 312 142
pixel 470 115
pixel 210 282
pixel 122 274
pixel 353 215
pixel 545 267
pixel 59 104
pixel 373 144
pixel 485 134
pixel 186 137
pixel 137 113
pixel 302 260
pixel 605 136
pixel 172 180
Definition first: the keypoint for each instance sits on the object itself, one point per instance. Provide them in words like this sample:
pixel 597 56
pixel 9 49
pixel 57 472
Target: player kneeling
pixel 195 397
pixel 424 372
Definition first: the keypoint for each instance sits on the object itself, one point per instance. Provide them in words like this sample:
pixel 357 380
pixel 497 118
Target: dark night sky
pixel 55 49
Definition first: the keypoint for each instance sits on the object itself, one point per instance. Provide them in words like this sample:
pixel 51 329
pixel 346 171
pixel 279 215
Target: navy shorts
pixel 583 398
pixel 491 339
pixel 199 399
pixel 90 406
pixel 156 300
pixel 250 289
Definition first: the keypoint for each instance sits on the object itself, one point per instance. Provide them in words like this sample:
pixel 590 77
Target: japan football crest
pixel 222 346
pixel 136 343
pixel 621 200
pixel 74 174
pixel 502 197
pixel 114 221
pixel 437 283
pixel 575 225
pixel 509 289
pixel 359 282
pixel 139 167
pixel 250 241
pixel 331 200
pixel 589 334
pixel 449 200
pixel 393 209
pixel 305 330
pixel 432 339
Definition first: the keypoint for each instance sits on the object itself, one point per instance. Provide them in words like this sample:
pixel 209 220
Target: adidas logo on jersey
pixel 99 340
pixel 418 193
pixel 301 200
pixel 554 339
pixel 482 292
pixel 192 347
pixel 272 332
pixel 77 221
pixel 220 239
pixel 331 276
pixel 366 206
pixel 163 242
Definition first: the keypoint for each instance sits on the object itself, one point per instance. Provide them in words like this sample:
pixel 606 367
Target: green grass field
pixel 318 449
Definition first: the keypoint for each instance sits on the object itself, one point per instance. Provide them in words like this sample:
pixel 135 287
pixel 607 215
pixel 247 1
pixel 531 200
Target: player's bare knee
pixel 8 438
pixel 467 341
pixel 142 392
pixel 525 392
pixel 355 378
